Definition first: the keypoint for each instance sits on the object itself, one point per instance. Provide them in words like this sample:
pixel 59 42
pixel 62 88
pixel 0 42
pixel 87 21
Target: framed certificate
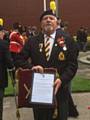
pixel 42 88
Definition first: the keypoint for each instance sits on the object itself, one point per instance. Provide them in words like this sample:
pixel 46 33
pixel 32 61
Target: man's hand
pixel 38 68
pixel 57 85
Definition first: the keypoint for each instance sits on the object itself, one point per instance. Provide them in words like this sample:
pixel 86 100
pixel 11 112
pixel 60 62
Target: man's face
pixel 49 24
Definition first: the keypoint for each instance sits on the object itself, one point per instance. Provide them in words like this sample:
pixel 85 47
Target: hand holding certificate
pixel 43 88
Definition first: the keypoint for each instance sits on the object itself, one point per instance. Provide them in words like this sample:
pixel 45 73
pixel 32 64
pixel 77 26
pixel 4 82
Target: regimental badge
pixel 40 47
pixel 61 56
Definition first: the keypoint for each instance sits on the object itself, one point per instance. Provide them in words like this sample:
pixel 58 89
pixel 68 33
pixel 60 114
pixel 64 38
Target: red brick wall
pixel 76 12
pixel 27 12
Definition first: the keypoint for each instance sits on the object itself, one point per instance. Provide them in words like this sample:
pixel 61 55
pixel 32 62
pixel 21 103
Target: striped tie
pixel 47 48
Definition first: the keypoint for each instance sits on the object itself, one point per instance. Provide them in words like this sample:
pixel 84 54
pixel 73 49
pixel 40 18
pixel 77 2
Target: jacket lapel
pixel 41 46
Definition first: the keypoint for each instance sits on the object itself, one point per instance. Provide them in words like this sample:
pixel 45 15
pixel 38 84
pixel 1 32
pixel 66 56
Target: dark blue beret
pixel 48 12
pixel 1 28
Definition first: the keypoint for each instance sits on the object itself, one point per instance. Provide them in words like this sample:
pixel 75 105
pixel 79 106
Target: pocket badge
pixel 61 56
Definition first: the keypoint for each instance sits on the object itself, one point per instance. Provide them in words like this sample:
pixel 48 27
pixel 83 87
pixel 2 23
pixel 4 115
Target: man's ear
pixel 58 21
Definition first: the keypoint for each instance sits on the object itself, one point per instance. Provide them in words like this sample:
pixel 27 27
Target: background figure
pixel 34 31
pixel 6 33
pixel 61 55
pixel 58 22
pixel 5 62
pixel 64 25
pixel 82 38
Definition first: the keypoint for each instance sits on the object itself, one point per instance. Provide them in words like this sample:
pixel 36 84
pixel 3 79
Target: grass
pixel 9 90
pixel 79 84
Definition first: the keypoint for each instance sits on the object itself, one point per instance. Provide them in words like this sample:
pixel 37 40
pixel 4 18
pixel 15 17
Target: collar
pixel 51 36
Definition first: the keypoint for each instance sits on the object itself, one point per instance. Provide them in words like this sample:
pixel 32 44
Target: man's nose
pixel 48 19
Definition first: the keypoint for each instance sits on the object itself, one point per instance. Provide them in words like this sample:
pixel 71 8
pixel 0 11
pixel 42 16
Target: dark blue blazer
pixel 63 56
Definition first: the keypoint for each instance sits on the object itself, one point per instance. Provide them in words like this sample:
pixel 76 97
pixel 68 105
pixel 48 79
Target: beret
pixel 1 28
pixel 48 12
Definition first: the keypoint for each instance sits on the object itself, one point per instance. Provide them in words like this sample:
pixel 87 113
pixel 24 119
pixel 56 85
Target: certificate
pixel 42 91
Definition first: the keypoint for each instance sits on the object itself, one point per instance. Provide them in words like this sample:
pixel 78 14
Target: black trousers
pixel 1 102
pixel 47 113
pixel 42 113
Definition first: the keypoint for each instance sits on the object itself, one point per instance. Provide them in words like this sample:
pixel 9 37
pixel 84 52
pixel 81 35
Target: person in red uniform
pixel 16 44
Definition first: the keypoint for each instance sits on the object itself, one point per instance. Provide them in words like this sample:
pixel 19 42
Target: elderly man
pixel 60 54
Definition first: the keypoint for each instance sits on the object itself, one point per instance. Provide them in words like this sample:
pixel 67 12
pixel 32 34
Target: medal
pixel 61 56
pixel 40 47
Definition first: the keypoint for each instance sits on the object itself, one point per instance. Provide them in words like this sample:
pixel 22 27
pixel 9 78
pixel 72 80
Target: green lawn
pixel 79 84
pixel 9 90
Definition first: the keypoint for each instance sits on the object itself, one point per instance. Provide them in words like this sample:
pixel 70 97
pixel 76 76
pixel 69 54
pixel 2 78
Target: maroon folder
pixel 25 85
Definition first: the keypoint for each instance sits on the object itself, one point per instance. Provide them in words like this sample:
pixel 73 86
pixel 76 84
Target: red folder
pixel 25 77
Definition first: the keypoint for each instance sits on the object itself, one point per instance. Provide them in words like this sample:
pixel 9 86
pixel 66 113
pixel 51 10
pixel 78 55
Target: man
pixel 5 62
pixel 62 55
pixel 82 38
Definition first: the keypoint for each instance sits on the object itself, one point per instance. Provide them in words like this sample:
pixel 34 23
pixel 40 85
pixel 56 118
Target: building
pixel 27 12
pixel 76 12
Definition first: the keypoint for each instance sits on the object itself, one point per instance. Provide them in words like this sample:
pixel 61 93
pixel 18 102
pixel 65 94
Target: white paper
pixel 42 91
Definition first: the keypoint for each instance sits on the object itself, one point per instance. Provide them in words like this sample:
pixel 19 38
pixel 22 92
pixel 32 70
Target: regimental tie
pixel 47 48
